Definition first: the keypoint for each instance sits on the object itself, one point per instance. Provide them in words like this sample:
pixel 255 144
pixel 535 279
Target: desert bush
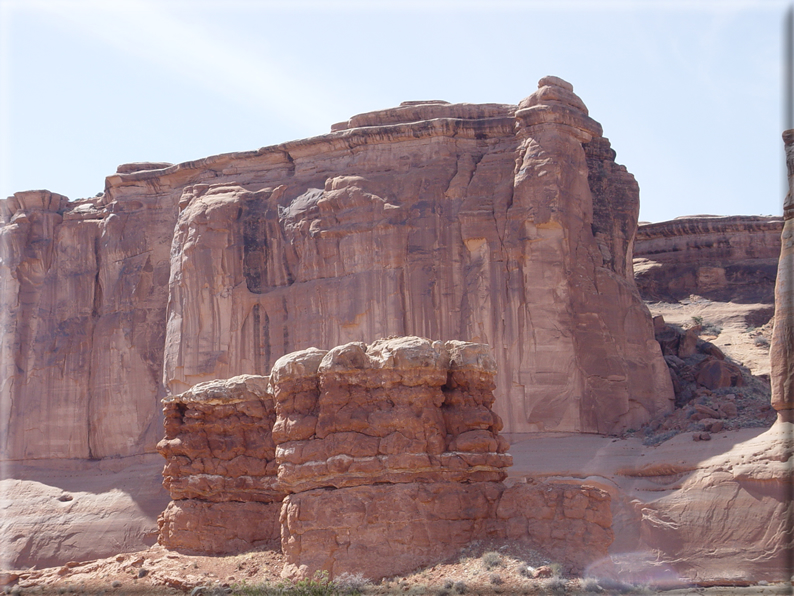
pixel 351 583
pixel 590 586
pixel 319 585
pixel 555 585
pixel 496 579
pixel 460 587
pixel 491 559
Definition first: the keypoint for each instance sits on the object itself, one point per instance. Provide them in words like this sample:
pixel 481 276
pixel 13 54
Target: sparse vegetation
pixel 320 585
pixel 590 586
pixel 351 583
pixel 492 559
pixel 555 585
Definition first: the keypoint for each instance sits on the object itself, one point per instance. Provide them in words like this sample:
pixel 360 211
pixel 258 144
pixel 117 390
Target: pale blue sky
pixel 688 92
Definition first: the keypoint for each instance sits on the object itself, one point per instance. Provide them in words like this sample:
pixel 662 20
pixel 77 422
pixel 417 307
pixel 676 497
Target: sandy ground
pixel 623 466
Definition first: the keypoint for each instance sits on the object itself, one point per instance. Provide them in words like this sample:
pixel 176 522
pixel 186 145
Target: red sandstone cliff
pixel 728 258
pixel 500 224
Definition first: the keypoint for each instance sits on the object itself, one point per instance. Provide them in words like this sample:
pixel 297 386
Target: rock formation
pixel 510 225
pixel 781 352
pixel 720 258
pixel 694 363
pixel 403 432
pixel 220 467
pixel 389 453
pixel 728 518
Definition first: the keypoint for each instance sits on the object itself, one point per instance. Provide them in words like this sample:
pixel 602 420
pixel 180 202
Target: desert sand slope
pixel 711 510
pixel 55 512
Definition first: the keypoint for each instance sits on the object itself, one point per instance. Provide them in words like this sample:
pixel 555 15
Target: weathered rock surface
pixel 714 510
pixel 84 291
pixel 395 439
pixel 398 410
pixel 385 530
pixel 553 516
pixel 56 511
pixel 694 363
pixel 220 467
pixel 403 431
pixel 728 258
pixel 510 225
pixel 781 352
pixel 729 517
pixel 225 527
pixel 461 244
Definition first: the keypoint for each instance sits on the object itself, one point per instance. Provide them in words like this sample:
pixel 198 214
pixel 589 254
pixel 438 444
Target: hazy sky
pixel 688 92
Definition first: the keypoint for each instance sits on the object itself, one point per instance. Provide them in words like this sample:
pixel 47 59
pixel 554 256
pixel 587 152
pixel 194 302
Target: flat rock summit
pixel 439 323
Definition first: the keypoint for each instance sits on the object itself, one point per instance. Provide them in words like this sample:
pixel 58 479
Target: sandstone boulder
pixel 694 364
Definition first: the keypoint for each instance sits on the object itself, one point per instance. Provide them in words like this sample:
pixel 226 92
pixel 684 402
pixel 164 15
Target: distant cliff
pixel 728 258
pixel 506 225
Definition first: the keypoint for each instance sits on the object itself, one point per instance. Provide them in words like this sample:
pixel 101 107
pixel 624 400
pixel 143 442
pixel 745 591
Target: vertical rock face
pixel 84 292
pixel 781 353
pixel 477 225
pixel 220 467
pixel 507 225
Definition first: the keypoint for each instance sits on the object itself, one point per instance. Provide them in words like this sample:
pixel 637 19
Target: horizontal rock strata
pixel 389 455
pixel 399 410
pixel 729 258
pixel 220 467
pixel 396 439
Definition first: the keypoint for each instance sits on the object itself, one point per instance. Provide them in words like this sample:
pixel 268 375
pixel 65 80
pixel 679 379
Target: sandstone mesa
pixel 505 225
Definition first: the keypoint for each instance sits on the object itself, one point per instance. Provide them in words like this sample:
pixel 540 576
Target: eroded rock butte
pixel 389 457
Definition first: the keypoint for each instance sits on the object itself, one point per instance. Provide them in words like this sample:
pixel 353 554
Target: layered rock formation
pixel 390 454
pixel 510 225
pixel 400 410
pixel 403 432
pixel 220 467
pixel 731 258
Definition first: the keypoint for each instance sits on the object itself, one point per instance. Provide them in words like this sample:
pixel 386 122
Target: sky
pixel 688 92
